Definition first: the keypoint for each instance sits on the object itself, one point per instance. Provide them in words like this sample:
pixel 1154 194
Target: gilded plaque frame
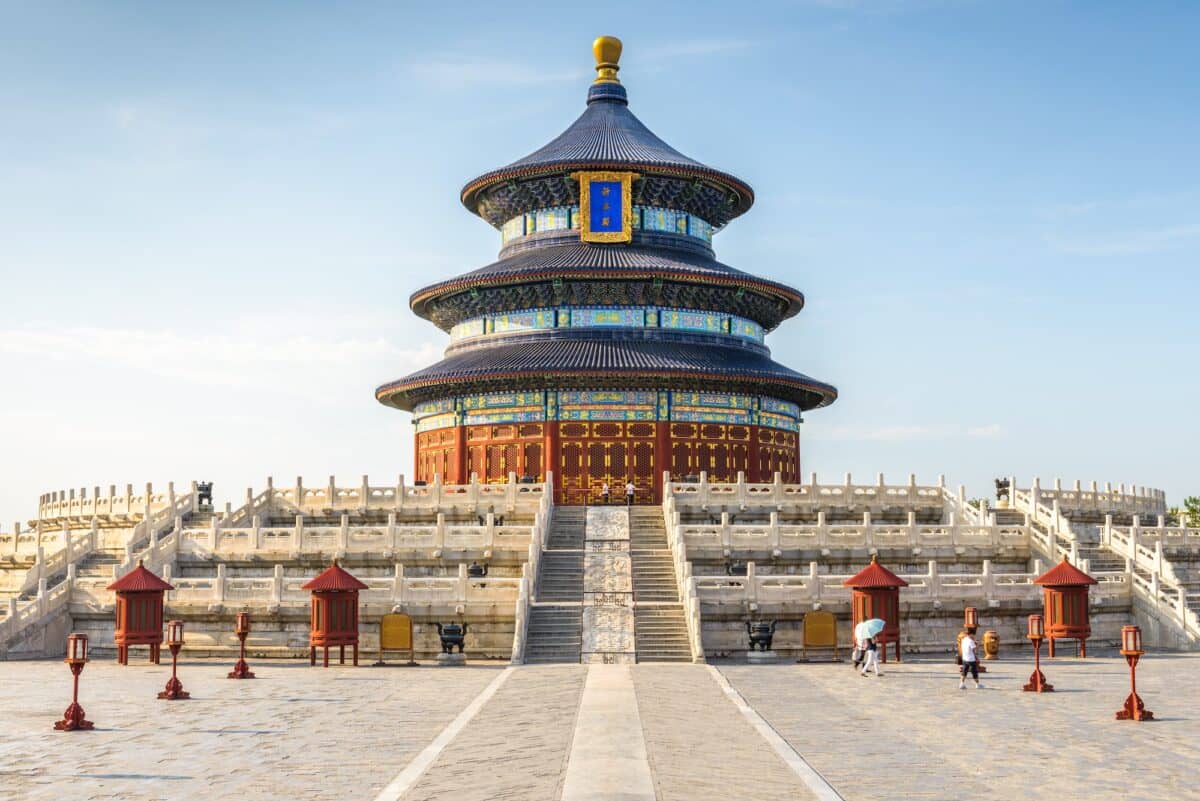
pixel 585 206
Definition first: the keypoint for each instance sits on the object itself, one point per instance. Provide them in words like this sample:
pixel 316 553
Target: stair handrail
pixel 49 601
pixel 1164 587
pixel 155 541
pixel 684 581
pixel 529 571
pixel 1163 591
pixel 45 566
pixel 961 510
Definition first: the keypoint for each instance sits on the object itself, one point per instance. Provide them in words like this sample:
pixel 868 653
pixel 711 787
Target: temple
pixel 607 344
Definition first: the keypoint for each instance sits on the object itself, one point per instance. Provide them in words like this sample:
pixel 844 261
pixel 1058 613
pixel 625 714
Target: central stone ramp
pixel 699 744
pixel 516 747
pixel 608 620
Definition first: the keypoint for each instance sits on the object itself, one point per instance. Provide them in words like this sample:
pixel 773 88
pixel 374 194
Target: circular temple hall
pixel 607 344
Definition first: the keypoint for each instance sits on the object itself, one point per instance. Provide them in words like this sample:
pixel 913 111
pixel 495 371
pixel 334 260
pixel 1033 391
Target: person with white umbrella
pixel 866 632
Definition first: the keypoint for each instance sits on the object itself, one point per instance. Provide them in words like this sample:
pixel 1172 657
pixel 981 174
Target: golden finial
pixel 607 50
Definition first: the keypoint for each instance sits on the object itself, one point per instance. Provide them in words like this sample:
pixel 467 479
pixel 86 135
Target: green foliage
pixel 1191 510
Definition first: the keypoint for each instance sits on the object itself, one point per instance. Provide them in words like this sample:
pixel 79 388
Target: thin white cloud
pixel 458 73
pixel 694 47
pixel 1147 241
pixel 903 433
pixel 990 431
pixel 223 359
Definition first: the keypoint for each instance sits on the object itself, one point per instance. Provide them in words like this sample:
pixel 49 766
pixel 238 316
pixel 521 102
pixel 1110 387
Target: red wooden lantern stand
pixel 139 612
pixel 1131 649
pixel 73 718
pixel 1065 604
pixel 174 690
pixel 876 594
pixel 1037 680
pixel 242 628
pixel 334 613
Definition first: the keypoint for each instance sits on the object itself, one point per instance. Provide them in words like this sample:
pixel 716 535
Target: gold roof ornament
pixel 607 50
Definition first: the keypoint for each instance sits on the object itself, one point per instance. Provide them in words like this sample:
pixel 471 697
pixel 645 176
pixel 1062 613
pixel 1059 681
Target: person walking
pixel 604 493
pixel 872 660
pixel 970 660
pixel 629 488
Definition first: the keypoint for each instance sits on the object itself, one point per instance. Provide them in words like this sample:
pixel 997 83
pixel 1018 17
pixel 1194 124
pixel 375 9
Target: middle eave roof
pixel 588 261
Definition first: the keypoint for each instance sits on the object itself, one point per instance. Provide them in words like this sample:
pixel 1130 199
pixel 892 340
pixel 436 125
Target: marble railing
pixel 387 539
pixel 271 592
pixel 812 496
pixel 1174 538
pixel 158 552
pixel 70 505
pixel 815 588
pixel 1095 500
pixel 1160 589
pixel 473 498
pixel 685 582
pixel 777 537
pixel 529 572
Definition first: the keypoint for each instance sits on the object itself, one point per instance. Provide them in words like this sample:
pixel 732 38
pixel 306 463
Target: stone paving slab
pixel 700 746
pixel 332 733
pixel 516 747
pixel 912 734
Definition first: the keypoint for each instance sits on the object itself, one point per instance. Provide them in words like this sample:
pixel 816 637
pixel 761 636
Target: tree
pixel 1191 510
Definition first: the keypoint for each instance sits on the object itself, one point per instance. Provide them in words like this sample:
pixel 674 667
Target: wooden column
pixel 753 474
pixel 460 456
pixel 662 456
pixel 550 457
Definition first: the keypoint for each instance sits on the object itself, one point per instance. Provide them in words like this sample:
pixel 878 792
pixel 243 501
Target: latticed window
pixel 495 462
pixel 533 461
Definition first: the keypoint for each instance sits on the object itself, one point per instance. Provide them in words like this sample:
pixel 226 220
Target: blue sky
pixel 213 216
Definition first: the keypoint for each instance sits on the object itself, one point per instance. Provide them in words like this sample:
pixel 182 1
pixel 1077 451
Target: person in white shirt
pixel 970 660
pixel 872 654
pixel 629 493
pixel 604 493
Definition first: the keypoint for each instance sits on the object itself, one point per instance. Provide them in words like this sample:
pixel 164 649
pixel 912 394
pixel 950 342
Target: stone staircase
pixel 660 631
pixel 661 634
pixel 555 631
pixel 555 634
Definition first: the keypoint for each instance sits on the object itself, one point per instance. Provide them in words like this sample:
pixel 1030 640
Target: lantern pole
pixel 1037 680
pixel 242 628
pixel 1131 649
pixel 73 718
pixel 174 690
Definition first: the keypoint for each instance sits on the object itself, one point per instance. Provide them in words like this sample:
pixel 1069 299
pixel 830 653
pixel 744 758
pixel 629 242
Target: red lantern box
pixel 876 594
pixel 139 612
pixel 1065 604
pixel 334 613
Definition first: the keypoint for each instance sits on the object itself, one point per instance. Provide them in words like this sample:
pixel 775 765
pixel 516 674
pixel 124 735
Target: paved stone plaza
pixel 600 732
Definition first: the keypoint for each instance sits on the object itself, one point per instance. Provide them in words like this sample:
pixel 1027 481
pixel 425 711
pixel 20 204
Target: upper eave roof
pixel 607 135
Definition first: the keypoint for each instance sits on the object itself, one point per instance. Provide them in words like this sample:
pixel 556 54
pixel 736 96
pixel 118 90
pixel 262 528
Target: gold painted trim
pixel 585 206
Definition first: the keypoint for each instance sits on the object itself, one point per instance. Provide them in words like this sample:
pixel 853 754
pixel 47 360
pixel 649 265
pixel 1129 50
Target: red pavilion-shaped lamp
pixel 334 615
pixel 1065 604
pixel 876 594
pixel 139 612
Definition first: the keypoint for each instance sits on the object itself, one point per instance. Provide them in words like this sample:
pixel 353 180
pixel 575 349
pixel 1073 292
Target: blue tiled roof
pixel 606 259
pixel 608 136
pixel 535 360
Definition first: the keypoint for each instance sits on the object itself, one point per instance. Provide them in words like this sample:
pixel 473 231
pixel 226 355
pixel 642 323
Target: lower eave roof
pixel 606 362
